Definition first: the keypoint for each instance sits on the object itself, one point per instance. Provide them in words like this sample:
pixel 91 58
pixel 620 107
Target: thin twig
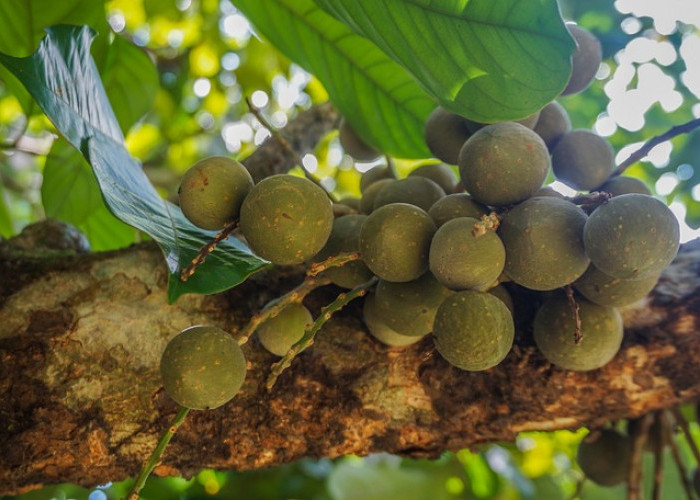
pixel 284 143
pixel 573 305
pixel 274 307
pixel 668 433
pixel 658 457
pixel 206 250
pixel 683 424
pixel 579 488
pixel 308 339
pixel 634 487
pixel 333 261
pixel 590 201
pixel 157 453
pixel 655 141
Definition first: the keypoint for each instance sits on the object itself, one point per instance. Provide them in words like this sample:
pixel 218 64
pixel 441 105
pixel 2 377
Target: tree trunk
pixel 81 400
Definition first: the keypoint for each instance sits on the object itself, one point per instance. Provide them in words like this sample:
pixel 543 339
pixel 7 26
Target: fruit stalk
pixel 206 250
pixel 157 453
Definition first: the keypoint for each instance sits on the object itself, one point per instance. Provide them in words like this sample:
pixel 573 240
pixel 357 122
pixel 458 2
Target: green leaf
pixel 6 229
pixel 484 59
pixel 70 193
pixel 22 26
pixel 130 79
pixel 377 96
pixel 62 77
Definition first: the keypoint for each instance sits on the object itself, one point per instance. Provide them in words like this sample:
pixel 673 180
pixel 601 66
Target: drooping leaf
pixel 377 96
pixel 70 193
pixel 22 25
pixel 63 79
pixel 487 60
pixel 130 79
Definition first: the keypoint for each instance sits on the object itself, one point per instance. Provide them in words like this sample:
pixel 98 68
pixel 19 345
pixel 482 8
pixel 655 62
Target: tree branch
pixel 81 398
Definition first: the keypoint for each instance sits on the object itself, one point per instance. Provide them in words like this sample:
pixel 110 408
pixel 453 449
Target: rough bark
pixel 81 400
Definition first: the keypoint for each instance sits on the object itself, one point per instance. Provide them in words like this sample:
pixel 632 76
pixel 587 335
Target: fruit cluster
pixel 441 245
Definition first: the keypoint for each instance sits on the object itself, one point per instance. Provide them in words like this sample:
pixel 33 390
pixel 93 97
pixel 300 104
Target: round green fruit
pixel 416 190
pixel 439 173
pixel 555 325
pixel 409 308
pixel 354 145
pixel 554 122
pixel 604 457
pixel 582 160
pixel 456 205
pixel 279 333
pixel 380 330
pixel 606 290
pixel 543 238
pixel 446 133
pixel 373 175
pixel 473 330
pixel 345 237
pixel 370 194
pixel 202 368
pixel 461 260
pixel 585 61
pixel 212 190
pixel 621 184
pixel 632 236
pixel 286 219
pixel 503 163
pixel 395 240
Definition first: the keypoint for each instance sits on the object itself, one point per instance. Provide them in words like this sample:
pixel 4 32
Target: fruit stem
pixel 274 307
pixel 655 141
pixel 157 453
pixel 308 339
pixel 635 475
pixel 683 424
pixel 575 311
pixel 668 434
pixel 332 261
pixel 486 223
pixel 391 166
pixel 658 459
pixel 206 250
pixel 277 136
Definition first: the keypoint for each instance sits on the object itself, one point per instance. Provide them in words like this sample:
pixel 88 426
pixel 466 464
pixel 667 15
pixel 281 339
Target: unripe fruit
pixel 354 145
pixel 279 333
pixel 604 457
pixel 543 238
pixel 585 60
pixel 409 308
pixel 503 163
pixel 440 174
pixel 461 260
pixel 370 194
pixel 583 160
pixel 473 330
pixel 502 293
pixel 632 236
pixel 554 327
pixel 623 185
pixel 345 237
pixel 212 190
pixel 202 367
pixel 606 290
pixel 373 175
pixel 286 219
pixel 456 205
pixel 416 190
pixel 395 240
pixel 446 133
pixel 554 122
pixel 379 330
pixel 548 191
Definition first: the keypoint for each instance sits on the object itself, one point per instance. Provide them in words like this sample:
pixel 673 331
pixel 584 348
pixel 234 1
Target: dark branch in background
pixel 655 141
pixel 302 134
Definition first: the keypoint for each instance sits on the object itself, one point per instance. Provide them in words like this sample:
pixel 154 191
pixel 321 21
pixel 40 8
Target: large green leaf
pixel 70 193
pixel 62 78
pixel 22 25
pixel 130 79
pixel 6 229
pixel 489 60
pixel 376 95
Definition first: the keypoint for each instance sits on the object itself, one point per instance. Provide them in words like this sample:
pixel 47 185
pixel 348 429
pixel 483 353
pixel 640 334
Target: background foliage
pixel 176 73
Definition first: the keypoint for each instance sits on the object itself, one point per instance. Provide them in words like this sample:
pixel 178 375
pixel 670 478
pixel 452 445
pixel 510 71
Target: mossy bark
pixel 81 399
